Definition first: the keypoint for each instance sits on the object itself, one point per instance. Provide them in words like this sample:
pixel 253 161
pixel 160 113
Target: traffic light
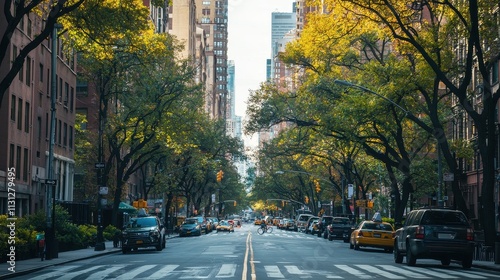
pixel 369 204
pixel 317 186
pixel 306 199
pixel 220 174
pixel 234 203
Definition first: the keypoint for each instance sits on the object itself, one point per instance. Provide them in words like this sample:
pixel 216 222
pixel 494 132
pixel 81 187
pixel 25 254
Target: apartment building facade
pixel 25 121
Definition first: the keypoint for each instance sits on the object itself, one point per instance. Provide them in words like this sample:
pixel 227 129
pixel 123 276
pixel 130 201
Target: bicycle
pixel 268 229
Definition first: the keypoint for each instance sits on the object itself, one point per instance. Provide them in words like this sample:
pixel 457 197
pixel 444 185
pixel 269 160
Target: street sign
pixel 448 177
pixel 50 181
pixel 103 190
pixel 99 165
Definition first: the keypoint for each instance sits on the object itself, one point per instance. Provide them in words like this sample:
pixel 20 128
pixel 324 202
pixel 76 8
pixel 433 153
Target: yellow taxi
pixel 374 233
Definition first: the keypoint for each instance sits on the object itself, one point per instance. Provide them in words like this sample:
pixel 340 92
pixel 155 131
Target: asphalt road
pixel 245 254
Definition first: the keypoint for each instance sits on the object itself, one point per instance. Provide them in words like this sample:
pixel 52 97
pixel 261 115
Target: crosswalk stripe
pixel 353 271
pixel 464 274
pixel 273 271
pixel 162 273
pixel 54 273
pixel 132 274
pixel 101 274
pixel 227 270
pixel 430 272
pixel 396 269
pixel 80 272
pixel 380 272
pixel 292 269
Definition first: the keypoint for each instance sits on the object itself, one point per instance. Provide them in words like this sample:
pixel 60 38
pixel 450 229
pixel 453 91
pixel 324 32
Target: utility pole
pixel 50 183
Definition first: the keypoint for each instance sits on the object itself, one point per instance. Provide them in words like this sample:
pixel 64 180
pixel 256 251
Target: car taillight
pixel 420 232
pixel 470 234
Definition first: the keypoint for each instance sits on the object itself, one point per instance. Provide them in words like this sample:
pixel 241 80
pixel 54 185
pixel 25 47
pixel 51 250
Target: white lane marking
pixel 405 272
pixel 380 272
pixel 227 270
pixel 353 271
pixel 292 269
pixel 58 272
pixel 430 272
pixel 133 273
pixel 101 274
pixel 163 272
pixel 461 273
pixel 273 271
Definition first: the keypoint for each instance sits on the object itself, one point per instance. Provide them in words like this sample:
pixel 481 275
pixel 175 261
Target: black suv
pixel 143 232
pixel 435 233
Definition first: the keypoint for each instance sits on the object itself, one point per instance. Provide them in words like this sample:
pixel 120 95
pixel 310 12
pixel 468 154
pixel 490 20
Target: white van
pixel 302 221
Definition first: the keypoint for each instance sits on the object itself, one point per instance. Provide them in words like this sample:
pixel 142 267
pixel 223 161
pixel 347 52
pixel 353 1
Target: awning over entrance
pixel 127 208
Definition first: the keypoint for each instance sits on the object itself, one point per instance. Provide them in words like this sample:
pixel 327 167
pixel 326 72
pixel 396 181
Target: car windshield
pixel 141 222
pixel 444 218
pixel 191 221
pixel 376 226
pixel 340 222
pixel 224 223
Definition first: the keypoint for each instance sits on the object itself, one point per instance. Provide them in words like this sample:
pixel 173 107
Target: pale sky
pixel 249 45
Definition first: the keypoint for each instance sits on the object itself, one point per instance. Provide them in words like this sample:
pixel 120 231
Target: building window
pixel 27 117
pixel 65 134
pixel 59 133
pixel 18 162
pixel 66 94
pixel 494 73
pixel 60 89
pixel 205 12
pixel 39 128
pixel 19 114
pixel 81 86
pixel 13 108
pixel 70 137
pixel 48 83
pixel 11 155
pixel 25 165
pixel 41 73
pixel 28 70
pixel 47 126
pixel 71 98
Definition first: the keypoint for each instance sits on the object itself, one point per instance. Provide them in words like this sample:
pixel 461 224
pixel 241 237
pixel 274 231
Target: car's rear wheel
pixel 410 258
pixel 351 246
pixel 125 250
pixel 446 261
pixel 398 257
pixel 330 237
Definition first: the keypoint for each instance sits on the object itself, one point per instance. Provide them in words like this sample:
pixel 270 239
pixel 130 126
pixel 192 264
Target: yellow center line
pixel 252 265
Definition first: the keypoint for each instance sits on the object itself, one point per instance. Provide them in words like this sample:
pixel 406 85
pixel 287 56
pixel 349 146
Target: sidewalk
pixel 27 266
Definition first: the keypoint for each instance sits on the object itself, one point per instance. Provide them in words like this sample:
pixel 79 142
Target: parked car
pixel 291 225
pixel 142 232
pixel 302 221
pixel 435 233
pixel 323 222
pixel 225 226
pixel 310 223
pixel 214 221
pixel 339 228
pixel 205 227
pixel 374 233
pixel 190 226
